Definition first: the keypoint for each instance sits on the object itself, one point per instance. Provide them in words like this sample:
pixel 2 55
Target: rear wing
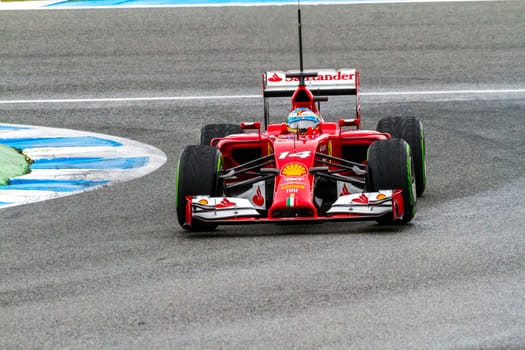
pixel 328 82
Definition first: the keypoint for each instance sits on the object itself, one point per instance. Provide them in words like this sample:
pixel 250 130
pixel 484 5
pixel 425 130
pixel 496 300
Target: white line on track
pixel 130 99
pixel 445 92
pixel 233 97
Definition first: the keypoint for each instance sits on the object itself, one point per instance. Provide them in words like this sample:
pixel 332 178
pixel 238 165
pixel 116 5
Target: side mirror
pixel 251 125
pixel 349 122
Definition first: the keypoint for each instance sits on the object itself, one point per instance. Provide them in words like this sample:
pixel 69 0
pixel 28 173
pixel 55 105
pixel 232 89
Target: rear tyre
pixel 390 167
pixel 211 131
pixel 197 174
pixel 411 130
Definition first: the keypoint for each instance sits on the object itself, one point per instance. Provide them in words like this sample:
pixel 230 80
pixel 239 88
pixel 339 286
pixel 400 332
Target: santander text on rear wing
pixel 328 82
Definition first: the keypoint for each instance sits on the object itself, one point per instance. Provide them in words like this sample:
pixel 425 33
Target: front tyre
pixel 411 130
pixel 197 174
pixel 390 166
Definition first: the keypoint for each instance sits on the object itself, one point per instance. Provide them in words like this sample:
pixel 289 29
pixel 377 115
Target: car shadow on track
pixel 368 228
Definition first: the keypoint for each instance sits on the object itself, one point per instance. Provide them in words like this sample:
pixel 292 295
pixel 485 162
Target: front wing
pixel 233 210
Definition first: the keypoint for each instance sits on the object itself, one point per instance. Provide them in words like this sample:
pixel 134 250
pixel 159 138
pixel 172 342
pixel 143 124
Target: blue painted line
pixel 12 127
pixel 145 3
pixel 83 141
pixel 90 163
pixel 51 185
pixel 94 3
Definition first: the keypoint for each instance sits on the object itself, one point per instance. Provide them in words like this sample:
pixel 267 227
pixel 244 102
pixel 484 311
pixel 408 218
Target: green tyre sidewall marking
pixel 423 155
pixel 410 179
pixel 177 184
pixel 218 185
pixel 219 164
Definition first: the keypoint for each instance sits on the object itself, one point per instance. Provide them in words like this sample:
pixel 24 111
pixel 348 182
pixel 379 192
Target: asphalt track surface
pixel 112 269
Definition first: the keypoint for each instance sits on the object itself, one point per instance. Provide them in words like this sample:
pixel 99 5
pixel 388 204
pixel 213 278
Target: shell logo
pixel 294 169
pixel 381 196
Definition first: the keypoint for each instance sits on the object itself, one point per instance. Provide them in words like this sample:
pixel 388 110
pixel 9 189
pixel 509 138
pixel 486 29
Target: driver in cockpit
pixel 303 121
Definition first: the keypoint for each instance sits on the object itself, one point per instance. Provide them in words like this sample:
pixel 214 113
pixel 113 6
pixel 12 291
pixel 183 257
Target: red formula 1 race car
pixel 306 169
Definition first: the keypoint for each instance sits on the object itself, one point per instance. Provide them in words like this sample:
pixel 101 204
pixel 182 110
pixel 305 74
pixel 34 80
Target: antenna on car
pixel 301 75
pixel 299 31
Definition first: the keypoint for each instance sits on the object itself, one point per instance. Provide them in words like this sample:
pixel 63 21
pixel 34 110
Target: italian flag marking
pixel 290 201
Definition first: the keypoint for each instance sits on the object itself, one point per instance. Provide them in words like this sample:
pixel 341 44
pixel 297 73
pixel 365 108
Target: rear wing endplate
pixel 328 82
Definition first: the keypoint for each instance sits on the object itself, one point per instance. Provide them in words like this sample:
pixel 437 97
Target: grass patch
pixel 13 163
